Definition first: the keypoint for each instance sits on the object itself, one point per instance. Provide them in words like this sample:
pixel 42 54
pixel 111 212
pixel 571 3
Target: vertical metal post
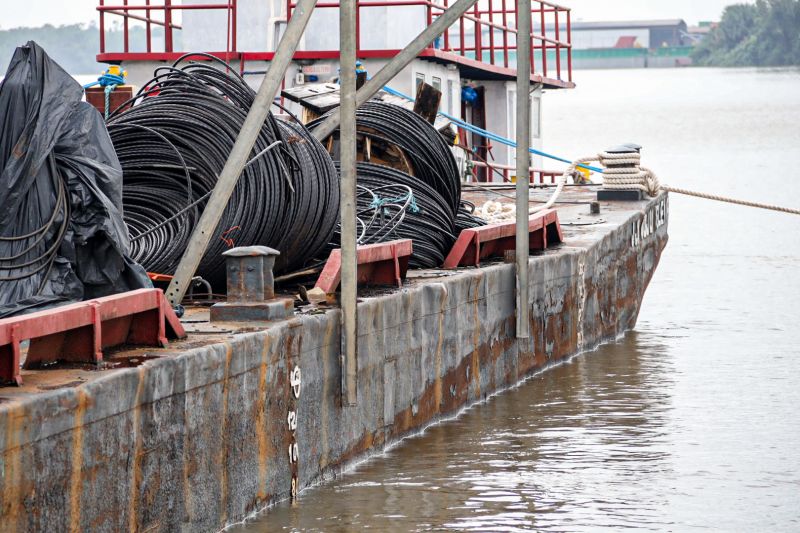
pixel 148 28
pixel 125 27
pixel 569 40
pixel 234 13
pixel 102 29
pixel 523 143
pixel 347 147
pixel 543 40
pixel 240 153
pixel 167 25
pixel 558 47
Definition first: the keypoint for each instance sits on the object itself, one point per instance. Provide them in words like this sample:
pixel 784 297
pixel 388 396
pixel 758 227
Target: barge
pixel 247 409
pixel 197 436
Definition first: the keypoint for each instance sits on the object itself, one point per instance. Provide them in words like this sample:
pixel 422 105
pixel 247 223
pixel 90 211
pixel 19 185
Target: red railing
pixel 464 41
pixel 537 176
pixel 483 38
pixel 143 12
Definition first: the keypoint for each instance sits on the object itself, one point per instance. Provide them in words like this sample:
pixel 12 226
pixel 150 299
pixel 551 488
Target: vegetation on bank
pixel 74 46
pixel 766 33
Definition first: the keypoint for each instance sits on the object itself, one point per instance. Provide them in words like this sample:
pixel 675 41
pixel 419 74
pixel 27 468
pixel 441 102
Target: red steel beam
pixel 474 244
pixel 81 331
pixel 384 263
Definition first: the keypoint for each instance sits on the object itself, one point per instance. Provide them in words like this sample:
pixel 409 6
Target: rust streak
pixel 437 390
pixel 76 479
pixel 136 467
pixel 261 422
pixel 476 339
pixel 326 383
pixel 223 450
pixel 12 469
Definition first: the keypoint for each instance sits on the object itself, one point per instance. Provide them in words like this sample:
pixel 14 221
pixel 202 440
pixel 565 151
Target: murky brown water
pixel 688 422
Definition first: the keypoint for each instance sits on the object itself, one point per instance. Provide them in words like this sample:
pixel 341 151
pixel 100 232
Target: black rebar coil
pixel 425 148
pixel 173 139
pixel 431 228
pixel 466 218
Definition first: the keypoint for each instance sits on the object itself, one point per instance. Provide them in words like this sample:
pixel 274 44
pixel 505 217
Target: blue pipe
pixel 492 136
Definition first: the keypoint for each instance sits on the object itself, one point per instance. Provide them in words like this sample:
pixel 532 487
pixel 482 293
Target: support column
pixel 523 157
pixel 347 202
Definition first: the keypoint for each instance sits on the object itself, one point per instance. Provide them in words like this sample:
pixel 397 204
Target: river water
pixel 690 422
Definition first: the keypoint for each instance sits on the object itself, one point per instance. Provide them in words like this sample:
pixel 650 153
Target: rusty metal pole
pixel 347 200
pixel 397 63
pixel 523 175
pixel 240 153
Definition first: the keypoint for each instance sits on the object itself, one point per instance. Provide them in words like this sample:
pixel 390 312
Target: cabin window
pixel 420 81
pixel 437 83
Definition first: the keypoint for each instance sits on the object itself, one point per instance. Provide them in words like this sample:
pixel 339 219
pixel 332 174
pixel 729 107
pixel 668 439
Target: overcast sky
pixel 37 12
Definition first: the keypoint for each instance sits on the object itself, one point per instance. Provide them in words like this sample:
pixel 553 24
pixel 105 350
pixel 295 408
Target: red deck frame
pixel 481 41
pixel 384 263
pixel 493 240
pixel 80 332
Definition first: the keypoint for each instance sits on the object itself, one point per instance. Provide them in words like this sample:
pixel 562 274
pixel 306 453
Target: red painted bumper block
pixel 384 263
pixel 494 240
pixel 80 332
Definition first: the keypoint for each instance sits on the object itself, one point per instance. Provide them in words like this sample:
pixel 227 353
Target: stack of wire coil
pixel 466 217
pixel 173 139
pixel 430 156
pixel 391 205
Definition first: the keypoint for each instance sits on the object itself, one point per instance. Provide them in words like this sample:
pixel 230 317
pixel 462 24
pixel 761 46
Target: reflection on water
pixel 689 422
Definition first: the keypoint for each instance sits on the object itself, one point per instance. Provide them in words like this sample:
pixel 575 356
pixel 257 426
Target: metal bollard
pixel 634 195
pixel 251 291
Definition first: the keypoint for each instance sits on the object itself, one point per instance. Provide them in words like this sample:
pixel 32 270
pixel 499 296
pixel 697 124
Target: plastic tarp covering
pixel 62 236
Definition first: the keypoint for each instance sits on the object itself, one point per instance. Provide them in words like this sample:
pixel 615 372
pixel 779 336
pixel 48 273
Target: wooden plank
pixel 427 102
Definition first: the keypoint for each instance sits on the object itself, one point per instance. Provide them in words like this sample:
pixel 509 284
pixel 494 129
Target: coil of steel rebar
pixel 429 224
pixel 432 161
pixel 466 218
pixel 173 139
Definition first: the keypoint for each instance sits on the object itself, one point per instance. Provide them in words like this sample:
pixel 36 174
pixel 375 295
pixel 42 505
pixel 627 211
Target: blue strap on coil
pixel 109 82
pixel 492 136
pixel 378 203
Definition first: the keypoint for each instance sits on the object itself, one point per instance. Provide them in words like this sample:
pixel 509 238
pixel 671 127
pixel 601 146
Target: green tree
pixel 75 46
pixel 762 34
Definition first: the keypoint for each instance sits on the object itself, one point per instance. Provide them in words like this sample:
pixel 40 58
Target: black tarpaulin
pixel 62 236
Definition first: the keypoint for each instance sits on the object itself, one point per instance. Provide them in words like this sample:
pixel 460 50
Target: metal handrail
pixel 490 24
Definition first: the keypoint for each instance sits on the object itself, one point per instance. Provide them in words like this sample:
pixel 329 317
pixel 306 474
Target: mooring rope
pixel 622 171
pixel 725 199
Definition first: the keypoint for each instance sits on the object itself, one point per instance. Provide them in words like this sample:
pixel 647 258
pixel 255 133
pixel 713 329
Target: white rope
pixel 707 196
pixel 634 176
pixel 628 177
pixel 569 172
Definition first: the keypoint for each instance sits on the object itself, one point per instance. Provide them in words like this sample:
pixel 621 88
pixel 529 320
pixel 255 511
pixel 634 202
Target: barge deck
pixel 205 432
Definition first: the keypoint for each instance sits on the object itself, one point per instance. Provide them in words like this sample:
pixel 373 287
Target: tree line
pixel 766 33
pixel 74 46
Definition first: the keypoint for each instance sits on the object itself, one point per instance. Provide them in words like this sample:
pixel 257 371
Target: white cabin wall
pixel 501 103
pixel 204 30
pixel 255 24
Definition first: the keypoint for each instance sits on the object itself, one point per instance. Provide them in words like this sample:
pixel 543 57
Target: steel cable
pixel 173 139
pixel 428 153
pixel 430 226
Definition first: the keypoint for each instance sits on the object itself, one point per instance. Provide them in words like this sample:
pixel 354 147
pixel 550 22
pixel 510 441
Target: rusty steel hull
pixel 200 437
